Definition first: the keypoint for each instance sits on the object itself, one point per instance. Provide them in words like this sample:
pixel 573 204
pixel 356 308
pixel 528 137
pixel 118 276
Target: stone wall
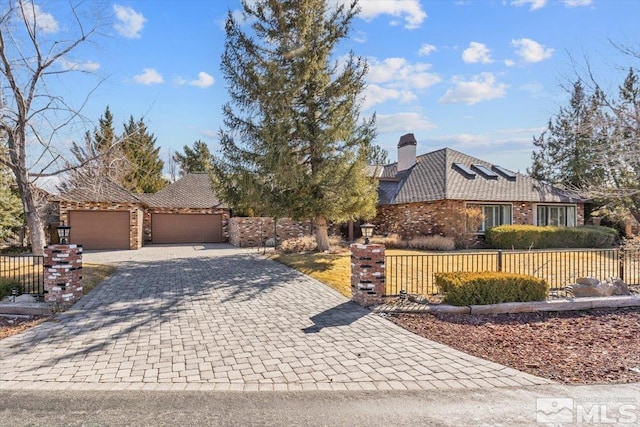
pixel 255 231
pixel 136 215
pixel 367 274
pixel 428 218
pixel 208 211
pixel 63 273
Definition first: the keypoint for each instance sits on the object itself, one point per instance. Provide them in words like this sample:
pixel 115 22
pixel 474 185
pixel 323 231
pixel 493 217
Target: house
pixel 419 195
pixel 107 216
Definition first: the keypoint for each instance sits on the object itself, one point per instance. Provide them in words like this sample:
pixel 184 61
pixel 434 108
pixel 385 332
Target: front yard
pixel 576 347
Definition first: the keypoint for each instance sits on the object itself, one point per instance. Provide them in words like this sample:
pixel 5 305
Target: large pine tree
pixel 145 175
pixel 567 153
pixel 294 143
pixel 10 205
pixel 196 159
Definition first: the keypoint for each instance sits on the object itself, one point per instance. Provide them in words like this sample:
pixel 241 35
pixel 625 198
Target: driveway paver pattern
pixel 213 317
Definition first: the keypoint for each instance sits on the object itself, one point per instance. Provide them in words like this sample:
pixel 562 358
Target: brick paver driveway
pixel 217 318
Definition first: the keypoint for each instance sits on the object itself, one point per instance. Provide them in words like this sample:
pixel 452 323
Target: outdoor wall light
pixel 367 232
pixel 63 233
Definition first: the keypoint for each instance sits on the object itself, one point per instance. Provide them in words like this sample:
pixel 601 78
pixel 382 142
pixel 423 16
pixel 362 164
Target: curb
pixel 26 309
pixel 566 304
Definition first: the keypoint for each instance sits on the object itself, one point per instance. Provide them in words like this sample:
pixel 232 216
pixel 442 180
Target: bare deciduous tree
pixel 32 54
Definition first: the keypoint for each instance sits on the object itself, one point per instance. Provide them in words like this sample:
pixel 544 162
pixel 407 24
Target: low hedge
pixel 461 288
pixel 534 237
pixel 7 284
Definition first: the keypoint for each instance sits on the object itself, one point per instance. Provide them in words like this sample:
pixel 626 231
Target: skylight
pixel 504 172
pixel 485 171
pixel 465 171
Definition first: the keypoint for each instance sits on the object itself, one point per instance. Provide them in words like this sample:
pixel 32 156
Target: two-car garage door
pixel 99 229
pixel 186 228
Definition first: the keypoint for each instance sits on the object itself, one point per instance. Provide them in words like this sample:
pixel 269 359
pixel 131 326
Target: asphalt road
pixel 495 407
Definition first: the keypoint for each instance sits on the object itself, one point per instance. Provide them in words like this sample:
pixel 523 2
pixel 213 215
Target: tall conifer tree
pixel 139 147
pixel 196 159
pixel 294 143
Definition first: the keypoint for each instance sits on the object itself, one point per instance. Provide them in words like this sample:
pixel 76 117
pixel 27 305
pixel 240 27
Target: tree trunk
pixel 322 238
pixel 31 214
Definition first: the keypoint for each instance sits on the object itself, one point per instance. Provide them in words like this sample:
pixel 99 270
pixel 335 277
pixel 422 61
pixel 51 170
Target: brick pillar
pixel 367 274
pixel 63 273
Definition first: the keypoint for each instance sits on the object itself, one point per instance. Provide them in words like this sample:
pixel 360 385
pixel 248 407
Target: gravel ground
pixel 580 347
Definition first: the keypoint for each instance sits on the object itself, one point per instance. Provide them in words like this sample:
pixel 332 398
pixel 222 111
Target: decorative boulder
pixel 592 287
pixel 618 287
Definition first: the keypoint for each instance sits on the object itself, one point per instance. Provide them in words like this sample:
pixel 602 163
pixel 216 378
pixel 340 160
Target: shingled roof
pixel 191 191
pixel 450 174
pixel 105 191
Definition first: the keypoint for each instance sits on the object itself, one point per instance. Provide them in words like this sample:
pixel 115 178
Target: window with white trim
pixel 560 215
pixel 495 215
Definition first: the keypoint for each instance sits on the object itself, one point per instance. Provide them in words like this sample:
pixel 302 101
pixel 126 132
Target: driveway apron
pixel 213 317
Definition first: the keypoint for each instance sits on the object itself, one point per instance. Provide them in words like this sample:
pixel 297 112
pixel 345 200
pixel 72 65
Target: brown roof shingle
pixel 434 177
pixel 191 191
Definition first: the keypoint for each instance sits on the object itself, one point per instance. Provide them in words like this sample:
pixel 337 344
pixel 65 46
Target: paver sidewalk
pixel 216 318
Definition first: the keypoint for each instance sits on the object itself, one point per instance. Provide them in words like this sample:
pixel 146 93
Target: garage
pixel 100 229
pixel 186 228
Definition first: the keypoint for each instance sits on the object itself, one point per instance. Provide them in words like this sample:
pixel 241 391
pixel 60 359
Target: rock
pixel 618 287
pixel 420 299
pixel 592 287
pixel 270 243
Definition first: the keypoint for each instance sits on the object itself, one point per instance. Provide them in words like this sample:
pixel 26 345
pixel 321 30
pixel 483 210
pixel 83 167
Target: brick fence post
pixel 63 273
pixel 367 274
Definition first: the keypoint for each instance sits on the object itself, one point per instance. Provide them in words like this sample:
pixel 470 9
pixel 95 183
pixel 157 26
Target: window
pixel 494 215
pixel 557 215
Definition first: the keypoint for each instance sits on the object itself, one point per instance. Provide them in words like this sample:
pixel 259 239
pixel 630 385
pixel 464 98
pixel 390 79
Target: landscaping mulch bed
pixel 574 347
pixel 11 325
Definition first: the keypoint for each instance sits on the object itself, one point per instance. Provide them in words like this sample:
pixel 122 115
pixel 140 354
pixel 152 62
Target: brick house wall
pixel 208 211
pixel 136 214
pixel 248 232
pixel 428 218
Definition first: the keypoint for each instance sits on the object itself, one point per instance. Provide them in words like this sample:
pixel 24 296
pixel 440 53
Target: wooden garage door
pixel 186 228
pixel 99 230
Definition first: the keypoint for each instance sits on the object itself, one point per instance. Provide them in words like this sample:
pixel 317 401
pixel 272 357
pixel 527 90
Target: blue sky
pixel 482 77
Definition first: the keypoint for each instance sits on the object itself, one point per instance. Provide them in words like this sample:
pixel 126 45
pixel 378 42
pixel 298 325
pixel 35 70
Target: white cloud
pixel 88 66
pixel 482 87
pixel 509 62
pixel 426 49
pixel 476 52
pixel 130 22
pixel 44 21
pixel 204 80
pixel 534 4
pixel 576 3
pixel 535 89
pixel 410 10
pixel 374 95
pixel 398 72
pixel 212 134
pixel 149 76
pixel 531 51
pixel 402 122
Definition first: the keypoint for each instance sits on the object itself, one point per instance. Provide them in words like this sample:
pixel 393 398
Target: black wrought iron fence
pixel 415 274
pixel 26 269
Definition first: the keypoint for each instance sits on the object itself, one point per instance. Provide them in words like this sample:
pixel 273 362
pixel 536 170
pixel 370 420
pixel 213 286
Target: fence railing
pixel 26 269
pixel 415 274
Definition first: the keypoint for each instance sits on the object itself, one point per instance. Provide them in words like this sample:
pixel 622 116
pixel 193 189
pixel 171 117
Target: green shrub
pixel 534 237
pixel 6 285
pixel 462 288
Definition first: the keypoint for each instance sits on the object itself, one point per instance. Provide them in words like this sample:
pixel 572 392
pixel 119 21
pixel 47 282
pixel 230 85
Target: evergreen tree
pixel 293 143
pixel 10 205
pixel 567 152
pixel 145 175
pixel 196 159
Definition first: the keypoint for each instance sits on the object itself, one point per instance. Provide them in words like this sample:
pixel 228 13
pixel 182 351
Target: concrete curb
pixel 566 304
pixel 26 308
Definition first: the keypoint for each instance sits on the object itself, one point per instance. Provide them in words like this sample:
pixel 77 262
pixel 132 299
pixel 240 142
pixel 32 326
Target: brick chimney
pixel 406 152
